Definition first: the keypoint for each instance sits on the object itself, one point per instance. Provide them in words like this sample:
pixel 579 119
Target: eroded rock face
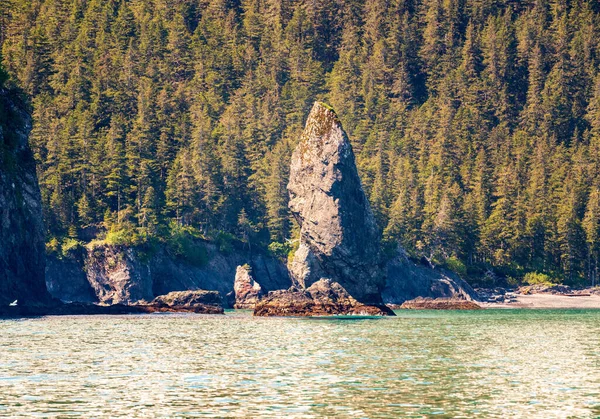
pixel 118 276
pixel 323 298
pixel 22 250
pixel 247 291
pixel 407 280
pixel 66 278
pixel 109 274
pixel 328 201
pixel 304 268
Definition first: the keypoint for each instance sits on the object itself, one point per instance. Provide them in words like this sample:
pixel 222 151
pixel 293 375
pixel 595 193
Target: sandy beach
pixel 548 301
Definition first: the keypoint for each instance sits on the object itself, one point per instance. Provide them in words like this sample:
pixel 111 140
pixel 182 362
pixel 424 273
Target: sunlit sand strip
pixel 549 301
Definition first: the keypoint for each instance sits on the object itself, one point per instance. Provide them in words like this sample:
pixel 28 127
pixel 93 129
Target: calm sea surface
pixel 502 364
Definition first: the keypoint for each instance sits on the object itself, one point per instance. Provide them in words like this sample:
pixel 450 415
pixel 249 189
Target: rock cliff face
pixel 304 268
pixel 22 257
pixel 339 236
pixel 118 274
pixel 66 278
pixel 407 280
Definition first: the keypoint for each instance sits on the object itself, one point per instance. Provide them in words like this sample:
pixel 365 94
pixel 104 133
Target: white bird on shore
pixel 13 304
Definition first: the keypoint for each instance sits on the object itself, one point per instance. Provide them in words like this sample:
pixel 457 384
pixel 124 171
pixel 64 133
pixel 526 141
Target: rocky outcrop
pixel 246 290
pixel 119 274
pixel 421 303
pixel 22 257
pixel 337 228
pixel 304 267
pixel 208 302
pixel 406 281
pixel 323 298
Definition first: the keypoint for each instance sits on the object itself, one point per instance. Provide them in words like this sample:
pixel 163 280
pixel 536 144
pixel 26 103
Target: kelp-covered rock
pixel 323 298
pixel 247 291
pixel 22 251
pixel 327 199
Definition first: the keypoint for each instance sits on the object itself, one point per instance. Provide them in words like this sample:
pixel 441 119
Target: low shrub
pixel 456 265
pixel 183 244
pixel 294 245
pixel 53 247
pixel 537 278
pixel 225 241
pixel 280 250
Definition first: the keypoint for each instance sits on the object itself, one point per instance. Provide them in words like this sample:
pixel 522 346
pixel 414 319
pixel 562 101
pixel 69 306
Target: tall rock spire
pixel 339 235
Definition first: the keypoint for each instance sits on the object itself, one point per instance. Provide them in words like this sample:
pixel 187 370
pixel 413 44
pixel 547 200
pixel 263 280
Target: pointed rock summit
pixel 339 242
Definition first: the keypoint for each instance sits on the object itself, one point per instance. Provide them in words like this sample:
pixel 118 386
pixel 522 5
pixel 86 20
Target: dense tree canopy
pixel 476 123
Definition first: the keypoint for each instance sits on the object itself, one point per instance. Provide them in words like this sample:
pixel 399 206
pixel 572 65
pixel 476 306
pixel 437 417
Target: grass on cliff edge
pixel 180 242
pixel 185 243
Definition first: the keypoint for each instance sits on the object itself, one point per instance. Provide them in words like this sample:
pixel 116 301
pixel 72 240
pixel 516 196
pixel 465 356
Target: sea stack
pixel 339 239
pixel 22 250
pixel 247 290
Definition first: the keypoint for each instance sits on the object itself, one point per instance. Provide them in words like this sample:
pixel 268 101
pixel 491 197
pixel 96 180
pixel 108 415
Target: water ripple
pixel 494 364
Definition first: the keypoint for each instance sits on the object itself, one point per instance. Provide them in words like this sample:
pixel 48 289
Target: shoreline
pixel 547 301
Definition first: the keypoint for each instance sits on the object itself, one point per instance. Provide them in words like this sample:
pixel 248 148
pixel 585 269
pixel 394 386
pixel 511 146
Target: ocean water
pixel 487 364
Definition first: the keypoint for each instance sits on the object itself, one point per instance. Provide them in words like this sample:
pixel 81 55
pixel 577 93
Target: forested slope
pixel 476 123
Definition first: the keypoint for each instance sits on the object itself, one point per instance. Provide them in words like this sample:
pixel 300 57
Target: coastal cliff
pixel 21 226
pixel 110 274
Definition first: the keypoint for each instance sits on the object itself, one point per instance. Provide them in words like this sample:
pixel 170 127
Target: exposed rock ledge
pixel 323 298
pixel 440 304
pixel 199 301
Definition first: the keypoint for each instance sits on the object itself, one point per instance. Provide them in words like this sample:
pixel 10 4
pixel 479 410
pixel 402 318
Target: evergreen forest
pixel 475 123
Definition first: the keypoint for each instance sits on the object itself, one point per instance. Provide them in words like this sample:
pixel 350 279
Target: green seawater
pixel 485 364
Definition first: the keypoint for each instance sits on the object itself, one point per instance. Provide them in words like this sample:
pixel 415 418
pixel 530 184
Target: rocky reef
pixel 22 249
pixel 323 298
pixel 208 302
pixel 421 303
